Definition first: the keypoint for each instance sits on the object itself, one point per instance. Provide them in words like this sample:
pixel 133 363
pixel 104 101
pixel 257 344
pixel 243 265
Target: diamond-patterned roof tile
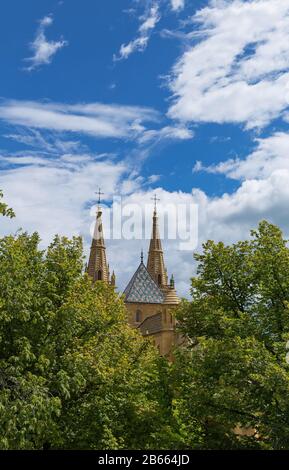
pixel 143 289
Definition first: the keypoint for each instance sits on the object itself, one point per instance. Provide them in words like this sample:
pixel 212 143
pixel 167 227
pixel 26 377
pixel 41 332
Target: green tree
pixel 232 375
pixel 73 374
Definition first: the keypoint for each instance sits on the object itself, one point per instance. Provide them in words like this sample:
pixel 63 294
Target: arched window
pixel 138 316
pixel 159 279
pixel 99 275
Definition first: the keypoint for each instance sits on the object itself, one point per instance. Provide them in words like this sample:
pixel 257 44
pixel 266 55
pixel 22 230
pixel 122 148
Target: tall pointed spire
pixel 156 264
pixel 98 268
pixel 112 280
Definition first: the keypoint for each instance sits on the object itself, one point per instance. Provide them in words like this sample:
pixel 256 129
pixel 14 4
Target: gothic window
pixel 138 316
pixel 99 275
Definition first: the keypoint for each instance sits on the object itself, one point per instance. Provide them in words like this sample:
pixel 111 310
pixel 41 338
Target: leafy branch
pixel 4 209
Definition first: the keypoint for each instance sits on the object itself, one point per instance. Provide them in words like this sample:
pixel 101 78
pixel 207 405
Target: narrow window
pixel 99 275
pixel 159 280
pixel 138 316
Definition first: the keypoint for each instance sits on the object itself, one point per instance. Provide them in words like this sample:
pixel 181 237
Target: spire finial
pixel 99 194
pixel 141 256
pixel 155 199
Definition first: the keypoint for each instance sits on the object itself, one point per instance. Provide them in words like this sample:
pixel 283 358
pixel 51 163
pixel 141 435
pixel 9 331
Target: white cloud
pixel 177 4
pixel 238 71
pixel 50 195
pixel 228 218
pixel 167 133
pixel 231 216
pixel 151 20
pixel 95 119
pixel 153 179
pixel 140 43
pixel 42 125
pixel 270 155
pixel 43 49
pixel 7 160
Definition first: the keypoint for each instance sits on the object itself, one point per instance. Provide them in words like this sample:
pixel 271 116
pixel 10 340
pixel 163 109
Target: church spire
pixel 156 264
pixel 97 265
pixel 112 280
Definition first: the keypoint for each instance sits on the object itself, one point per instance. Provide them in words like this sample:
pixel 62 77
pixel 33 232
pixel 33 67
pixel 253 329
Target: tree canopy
pixel 73 374
pixel 232 378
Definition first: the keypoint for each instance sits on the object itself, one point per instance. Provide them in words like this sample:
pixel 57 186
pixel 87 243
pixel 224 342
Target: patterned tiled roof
pixel 143 289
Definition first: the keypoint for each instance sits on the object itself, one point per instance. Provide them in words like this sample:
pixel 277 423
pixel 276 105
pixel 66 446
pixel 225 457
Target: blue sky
pixel 185 98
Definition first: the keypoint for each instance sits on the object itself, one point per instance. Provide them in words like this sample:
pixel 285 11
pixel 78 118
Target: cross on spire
pixel 99 193
pixel 155 199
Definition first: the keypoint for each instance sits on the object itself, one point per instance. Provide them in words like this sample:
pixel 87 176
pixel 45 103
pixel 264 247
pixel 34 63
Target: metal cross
pixel 155 199
pixel 99 193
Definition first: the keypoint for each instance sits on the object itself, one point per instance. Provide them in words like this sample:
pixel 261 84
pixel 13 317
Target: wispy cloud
pixel 42 124
pixel 148 23
pixel 50 142
pixel 94 119
pixel 167 133
pixel 238 71
pixel 43 49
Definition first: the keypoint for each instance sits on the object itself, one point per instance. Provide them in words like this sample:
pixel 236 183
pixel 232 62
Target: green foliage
pixel 4 209
pixel 232 375
pixel 73 374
